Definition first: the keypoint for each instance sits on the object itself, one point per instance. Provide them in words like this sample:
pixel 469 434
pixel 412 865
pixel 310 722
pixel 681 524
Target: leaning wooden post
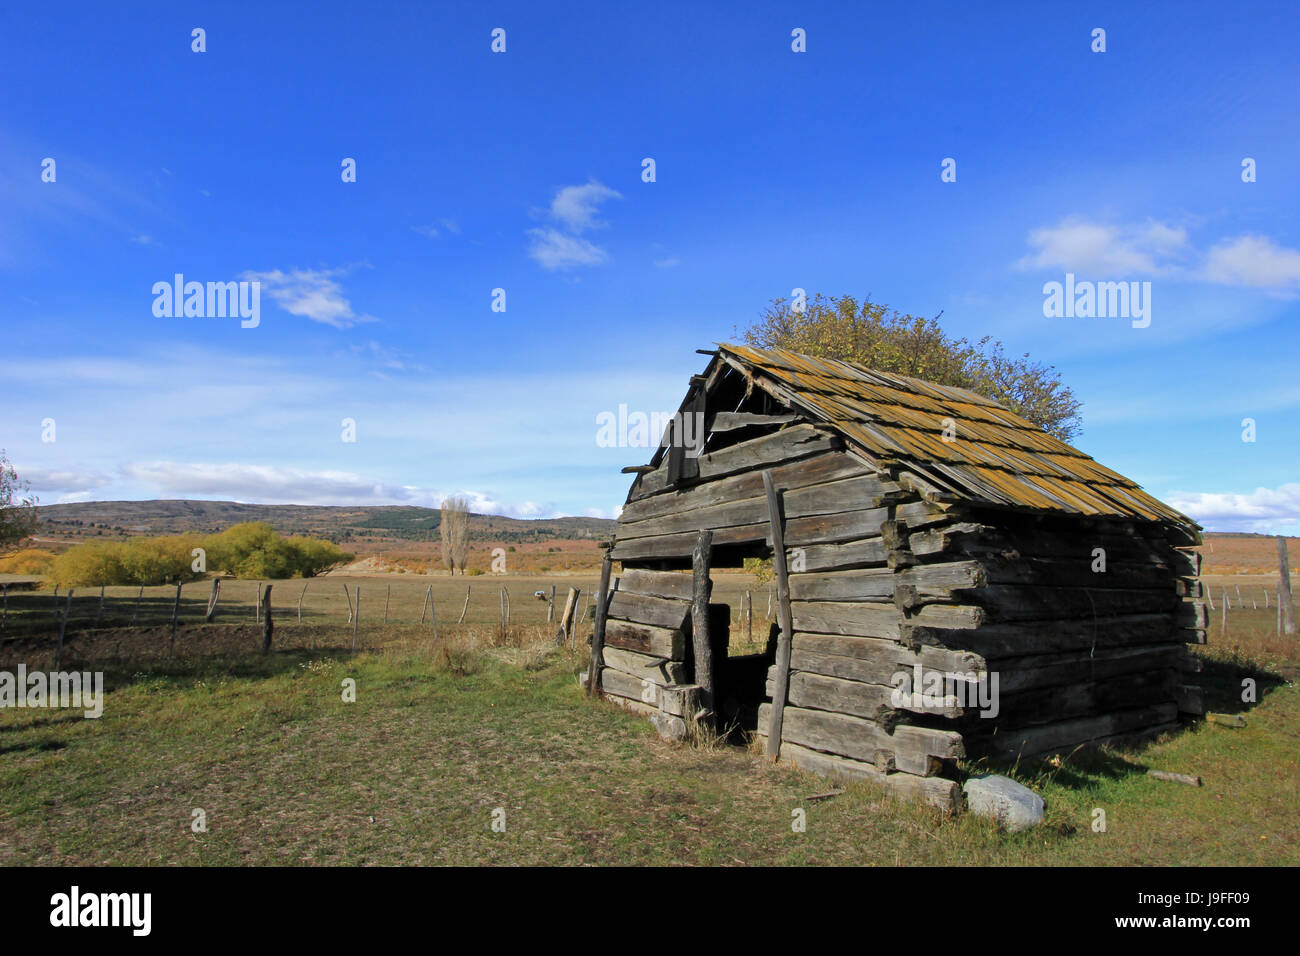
pixel 300 597
pixel 425 606
pixel 387 594
pixel 267 626
pixel 138 598
pixel 1284 588
pixel 176 610
pixel 700 637
pixel 598 634
pixel 99 611
pixel 63 626
pixel 567 616
pixel 783 612
pixel 465 607
pixel 349 597
pixel 501 619
pixel 433 613
pixel 257 604
pixel 356 619
pixel 749 617
pixel 212 601
pixel 550 607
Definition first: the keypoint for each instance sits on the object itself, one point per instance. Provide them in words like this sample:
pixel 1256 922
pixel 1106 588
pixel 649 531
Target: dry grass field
pixel 445 731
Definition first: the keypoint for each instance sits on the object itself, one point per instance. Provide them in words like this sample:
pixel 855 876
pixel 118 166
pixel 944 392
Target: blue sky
pixel 522 171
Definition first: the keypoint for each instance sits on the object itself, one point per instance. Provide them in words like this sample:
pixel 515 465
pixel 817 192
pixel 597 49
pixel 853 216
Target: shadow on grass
pixel 1221 682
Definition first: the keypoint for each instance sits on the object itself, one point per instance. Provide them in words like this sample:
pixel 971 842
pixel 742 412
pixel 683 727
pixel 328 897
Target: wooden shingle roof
pixel 993 456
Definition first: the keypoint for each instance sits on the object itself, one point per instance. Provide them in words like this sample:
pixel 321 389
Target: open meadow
pixel 447 731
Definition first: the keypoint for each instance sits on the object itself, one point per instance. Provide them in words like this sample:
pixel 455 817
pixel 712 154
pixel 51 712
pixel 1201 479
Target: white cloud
pixel 1156 248
pixel 554 250
pixel 1265 510
pixel 574 211
pixel 271 484
pixel 576 206
pixel 1092 248
pixel 48 480
pixel 312 294
pixel 667 263
pixel 1254 261
pixel 429 232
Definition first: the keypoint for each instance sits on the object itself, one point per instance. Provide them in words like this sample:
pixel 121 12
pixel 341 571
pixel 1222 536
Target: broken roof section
pixel 990 457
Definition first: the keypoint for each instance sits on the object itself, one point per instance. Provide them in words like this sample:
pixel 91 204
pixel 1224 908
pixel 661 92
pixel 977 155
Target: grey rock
pixel 1012 806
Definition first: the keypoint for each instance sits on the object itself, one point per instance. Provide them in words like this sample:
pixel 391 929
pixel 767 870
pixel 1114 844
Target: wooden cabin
pixel 950 580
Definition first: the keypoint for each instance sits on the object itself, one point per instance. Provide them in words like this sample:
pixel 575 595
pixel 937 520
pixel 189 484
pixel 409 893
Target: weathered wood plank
pixel 776 520
pixel 797 441
pixel 916 750
pixel 816 470
pixel 935 791
pixel 663 642
pixel 665 584
pixel 646 609
pixel 1008 744
pixel 659 670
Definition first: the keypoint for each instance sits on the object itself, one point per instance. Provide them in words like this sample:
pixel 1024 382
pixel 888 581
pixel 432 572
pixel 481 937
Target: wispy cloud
pixel 311 293
pixel 269 484
pixel 573 211
pixel 1254 261
pixel 552 249
pixel 1077 245
pixel 1156 248
pixel 1266 510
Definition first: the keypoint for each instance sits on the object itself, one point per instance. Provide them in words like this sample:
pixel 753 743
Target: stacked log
pixel 644 658
pixel 924 629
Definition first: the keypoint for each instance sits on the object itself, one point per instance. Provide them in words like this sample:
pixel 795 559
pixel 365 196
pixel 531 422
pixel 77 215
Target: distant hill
pixel 338 523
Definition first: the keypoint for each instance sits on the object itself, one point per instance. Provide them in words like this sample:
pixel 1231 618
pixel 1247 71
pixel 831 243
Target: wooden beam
pixel 598 632
pixel 1284 588
pixel 730 421
pixel 782 676
pixel 700 622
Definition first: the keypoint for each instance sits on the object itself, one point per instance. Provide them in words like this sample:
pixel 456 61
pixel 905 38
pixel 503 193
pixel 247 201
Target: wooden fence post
pixel 424 607
pixel 783 611
pixel 1284 588
pixel 63 626
pixel 598 632
pixel 300 597
pixel 700 559
pixel 212 601
pixel 176 610
pixel 550 607
pixel 99 611
pixel 267 625
pixel 257 604
pixel 433 613
pixel 387 594
pixel 749 617
pixel 138 598
pixel 356 619
pixel 464 608
pixel 567 616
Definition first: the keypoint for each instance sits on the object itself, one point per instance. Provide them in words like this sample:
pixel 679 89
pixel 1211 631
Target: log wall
pixel 884 583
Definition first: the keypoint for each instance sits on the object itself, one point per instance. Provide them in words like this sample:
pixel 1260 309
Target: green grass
pixel 444 732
